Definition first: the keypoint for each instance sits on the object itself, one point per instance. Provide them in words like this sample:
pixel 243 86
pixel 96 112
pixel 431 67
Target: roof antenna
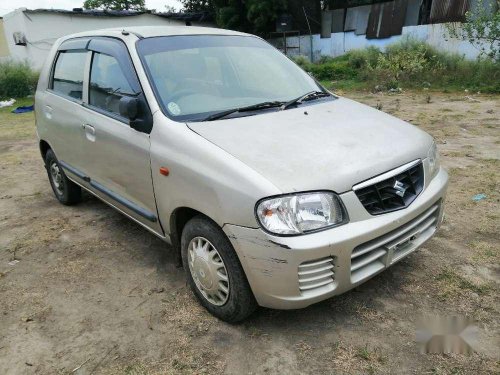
pixel 124 32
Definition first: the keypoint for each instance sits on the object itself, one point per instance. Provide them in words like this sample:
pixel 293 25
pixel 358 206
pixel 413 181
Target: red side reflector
pixel 164 171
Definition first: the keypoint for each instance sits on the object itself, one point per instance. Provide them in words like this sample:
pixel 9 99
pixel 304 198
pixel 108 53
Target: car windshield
pixel 196 76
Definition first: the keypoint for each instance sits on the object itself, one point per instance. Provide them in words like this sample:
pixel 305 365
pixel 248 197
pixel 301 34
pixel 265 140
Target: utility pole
pixel 310 33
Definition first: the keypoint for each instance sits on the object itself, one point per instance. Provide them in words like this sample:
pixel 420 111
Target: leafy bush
pixel 301 61
pixel 327 68
pixel 409 44
pixel 479 75
pixel 364 58
pixel 333 70
pixel 402 65
pixel 329 59
pixel 408 63
pixel 16 79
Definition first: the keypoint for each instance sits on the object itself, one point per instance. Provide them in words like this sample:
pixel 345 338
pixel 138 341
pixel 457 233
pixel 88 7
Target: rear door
pixel 115 156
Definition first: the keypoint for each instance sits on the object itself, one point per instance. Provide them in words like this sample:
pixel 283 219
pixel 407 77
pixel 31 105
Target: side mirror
pixel 131 108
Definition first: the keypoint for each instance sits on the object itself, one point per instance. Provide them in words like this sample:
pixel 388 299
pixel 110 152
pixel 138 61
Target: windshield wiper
pixel 254 107
pixel 309 96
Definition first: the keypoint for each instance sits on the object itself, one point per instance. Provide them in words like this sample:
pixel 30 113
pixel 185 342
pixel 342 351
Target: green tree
pixel 228 14
pixel 231 14
pixel 198 6
pixel 262 14
pixel 481 29
pixel 255 16
pixel 137 5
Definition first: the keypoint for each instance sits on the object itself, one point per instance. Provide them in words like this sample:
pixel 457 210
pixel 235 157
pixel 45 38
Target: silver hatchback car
pixel 271 190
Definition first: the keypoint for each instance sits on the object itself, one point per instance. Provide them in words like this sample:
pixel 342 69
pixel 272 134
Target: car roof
pixel 154 31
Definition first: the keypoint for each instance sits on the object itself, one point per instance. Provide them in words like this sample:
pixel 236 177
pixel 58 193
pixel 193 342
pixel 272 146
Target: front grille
pixel 393 193
pixel 370 257
pixel 316 274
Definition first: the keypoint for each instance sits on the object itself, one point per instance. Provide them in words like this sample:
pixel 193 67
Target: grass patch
pixel 485 252
pixel 408 64
pixel 347 359
pixel 17 126
pixel 364 353
pixel 369 355
pixel 453 283
pixel 345 84
pixel 138 369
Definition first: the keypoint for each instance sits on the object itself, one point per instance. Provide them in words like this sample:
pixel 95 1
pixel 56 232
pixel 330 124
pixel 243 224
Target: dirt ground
pixel 94 293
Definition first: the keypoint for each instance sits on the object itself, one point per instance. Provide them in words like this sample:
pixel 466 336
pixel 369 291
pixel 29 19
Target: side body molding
pixel 111 194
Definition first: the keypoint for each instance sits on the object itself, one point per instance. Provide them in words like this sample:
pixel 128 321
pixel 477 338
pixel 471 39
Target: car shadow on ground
pixel 350 307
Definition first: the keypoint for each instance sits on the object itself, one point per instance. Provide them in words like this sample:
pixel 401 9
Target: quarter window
pixel 68 73
pixel 108 84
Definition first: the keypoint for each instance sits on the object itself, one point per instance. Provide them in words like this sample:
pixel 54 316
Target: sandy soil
pixel 93 293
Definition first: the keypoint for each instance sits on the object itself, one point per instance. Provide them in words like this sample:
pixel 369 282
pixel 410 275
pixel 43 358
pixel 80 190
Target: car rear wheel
pixel 66 191
pixel 214 272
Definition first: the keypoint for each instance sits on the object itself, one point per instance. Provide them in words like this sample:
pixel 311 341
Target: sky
pixel 7 6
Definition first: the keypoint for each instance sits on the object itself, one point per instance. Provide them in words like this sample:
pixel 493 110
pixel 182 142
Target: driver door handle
pixel 89 132
pixel 48 111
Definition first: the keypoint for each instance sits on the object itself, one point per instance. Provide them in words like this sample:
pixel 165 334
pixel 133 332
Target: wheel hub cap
pixel 203 273
pixel 55 174
pixel 208 271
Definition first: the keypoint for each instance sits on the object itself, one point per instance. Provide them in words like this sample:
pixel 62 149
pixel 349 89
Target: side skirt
pixel 114 197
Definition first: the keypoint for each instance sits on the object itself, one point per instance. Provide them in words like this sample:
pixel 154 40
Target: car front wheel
pixel 214 272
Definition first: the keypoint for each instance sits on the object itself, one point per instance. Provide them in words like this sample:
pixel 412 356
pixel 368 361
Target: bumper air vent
pixel 316 274
pixel 370 257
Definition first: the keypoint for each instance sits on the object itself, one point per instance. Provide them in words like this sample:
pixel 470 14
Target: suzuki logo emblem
pixel 400 188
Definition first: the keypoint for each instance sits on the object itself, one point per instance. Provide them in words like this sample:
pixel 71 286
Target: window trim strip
pixel 50 87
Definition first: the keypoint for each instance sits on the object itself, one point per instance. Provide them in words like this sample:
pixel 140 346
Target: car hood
pixel 331 145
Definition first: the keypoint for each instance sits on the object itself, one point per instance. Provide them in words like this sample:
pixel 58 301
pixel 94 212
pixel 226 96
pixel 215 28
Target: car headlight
pixel 300 213
pixel 433 157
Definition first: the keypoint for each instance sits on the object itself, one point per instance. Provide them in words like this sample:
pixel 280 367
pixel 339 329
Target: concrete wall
pixel 4 49
pixel 340 43
pixel 43 29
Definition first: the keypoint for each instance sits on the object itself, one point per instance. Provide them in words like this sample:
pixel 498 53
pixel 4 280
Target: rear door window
pixel 68 74
pixel 108 83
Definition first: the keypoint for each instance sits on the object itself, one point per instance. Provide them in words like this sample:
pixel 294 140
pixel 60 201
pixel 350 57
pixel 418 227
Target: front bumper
pixel 295 272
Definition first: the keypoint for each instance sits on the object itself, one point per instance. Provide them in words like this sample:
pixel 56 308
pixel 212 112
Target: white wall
pixel 340 43
pixel 43 29
pixel 4 49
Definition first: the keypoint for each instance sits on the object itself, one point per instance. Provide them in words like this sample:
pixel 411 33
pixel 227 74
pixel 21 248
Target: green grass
pixel 483 251
pixel 454 281
pixel 364 353
pixel 17 126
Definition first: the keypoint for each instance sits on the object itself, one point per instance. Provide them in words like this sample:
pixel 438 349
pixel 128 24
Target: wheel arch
pixel 178 220
pixel 44 147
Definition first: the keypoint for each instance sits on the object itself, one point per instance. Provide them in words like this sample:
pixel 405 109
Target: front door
pixel 116 157
pixel 60 115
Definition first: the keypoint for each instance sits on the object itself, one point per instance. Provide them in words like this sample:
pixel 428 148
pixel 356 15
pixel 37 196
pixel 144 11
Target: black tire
pixel 240 300
pixel 66 191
